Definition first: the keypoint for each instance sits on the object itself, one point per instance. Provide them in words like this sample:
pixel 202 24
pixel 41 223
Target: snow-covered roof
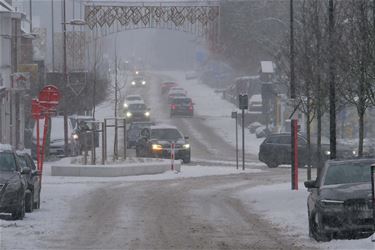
pixel 5 147
pixel 267 67
pixel 163 126
pixel 256 98
pixel 247 78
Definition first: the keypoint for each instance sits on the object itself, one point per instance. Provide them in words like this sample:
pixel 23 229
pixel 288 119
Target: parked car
pixel 134 130
pixel 157 142
pixel 276 150
pixel 132 98
pixel 32 196
pixel 165 86
pixel 181 105
pixel 137 111
pixel 340 201
pixel 138 81
pixel 13 184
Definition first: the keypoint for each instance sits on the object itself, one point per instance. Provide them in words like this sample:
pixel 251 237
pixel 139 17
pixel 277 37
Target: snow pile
pixel 287 209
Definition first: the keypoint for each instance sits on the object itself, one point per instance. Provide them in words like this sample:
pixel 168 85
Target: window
pixel 166 134
pixel 348 173
pixel 7 162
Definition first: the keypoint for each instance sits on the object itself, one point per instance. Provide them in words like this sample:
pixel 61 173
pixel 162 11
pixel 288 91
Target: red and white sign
pixel 21 81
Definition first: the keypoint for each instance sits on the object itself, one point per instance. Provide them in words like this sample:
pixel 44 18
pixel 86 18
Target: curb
pixel 114 170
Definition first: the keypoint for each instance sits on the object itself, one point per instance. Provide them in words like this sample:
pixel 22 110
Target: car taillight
pixel 173 106
pixel 190 107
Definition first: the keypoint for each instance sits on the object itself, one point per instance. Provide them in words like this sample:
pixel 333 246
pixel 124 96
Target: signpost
pixel 243 104
pixel 44 107
pixel 235 116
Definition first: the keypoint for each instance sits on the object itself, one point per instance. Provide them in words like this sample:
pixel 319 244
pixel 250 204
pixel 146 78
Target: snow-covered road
pixel 209 205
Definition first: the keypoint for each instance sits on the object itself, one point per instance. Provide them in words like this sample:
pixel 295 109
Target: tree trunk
pixel 361 131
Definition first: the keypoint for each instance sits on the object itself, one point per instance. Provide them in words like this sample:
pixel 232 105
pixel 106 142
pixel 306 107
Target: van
pixel 56 143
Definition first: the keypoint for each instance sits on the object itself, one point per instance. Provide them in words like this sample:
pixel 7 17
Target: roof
pixel 133 96
pixel 136 102
pixel 181 97
pixel 163 126
pixel 5 147
pixel 247 78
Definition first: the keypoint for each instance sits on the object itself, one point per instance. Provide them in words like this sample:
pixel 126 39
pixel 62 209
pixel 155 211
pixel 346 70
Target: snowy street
pixel 208 205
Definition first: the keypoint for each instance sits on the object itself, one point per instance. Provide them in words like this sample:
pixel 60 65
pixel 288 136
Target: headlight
pixel 147 114
pixel 133 82
pixel 156 147
pixel 186 146
pixel 128 114
pixel 125 105
pixel 75 136
pixel 143 82
pixel 136 72
pixel 327 152
pixel 354 152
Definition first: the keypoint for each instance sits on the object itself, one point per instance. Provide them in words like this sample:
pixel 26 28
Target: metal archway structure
pixel 201 18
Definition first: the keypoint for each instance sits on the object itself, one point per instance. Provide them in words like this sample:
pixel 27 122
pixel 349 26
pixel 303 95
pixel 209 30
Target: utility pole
pixel 65 83
pixel 292 73
pixel 31 16
pixel 53 36
pixel 332 90
pixel 115 153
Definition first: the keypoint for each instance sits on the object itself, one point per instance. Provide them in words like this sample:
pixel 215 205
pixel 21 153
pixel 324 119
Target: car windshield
pixel 7 162
pixel 166 134
pixel 133 98
pixel 182 101
pixel 349 172
pixel 137 107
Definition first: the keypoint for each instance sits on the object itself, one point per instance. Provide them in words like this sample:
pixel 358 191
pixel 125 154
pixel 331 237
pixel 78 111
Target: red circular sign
pixel 49 97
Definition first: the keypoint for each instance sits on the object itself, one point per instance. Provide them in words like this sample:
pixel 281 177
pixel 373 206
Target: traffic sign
pixel 49 97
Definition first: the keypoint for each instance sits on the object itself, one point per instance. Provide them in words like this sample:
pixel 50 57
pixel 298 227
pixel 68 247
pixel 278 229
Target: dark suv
pixel 13 184
pixel 340 202
pixel 181 106
pixel 276 150
pixel 157 141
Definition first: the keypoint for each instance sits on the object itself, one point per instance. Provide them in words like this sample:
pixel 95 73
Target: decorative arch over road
pixel 201 18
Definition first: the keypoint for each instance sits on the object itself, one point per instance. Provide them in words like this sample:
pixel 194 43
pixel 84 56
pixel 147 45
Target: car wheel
pixel 272 165
pixel 20 211
pixel 317 232
pixel 186 160
pixel 29 201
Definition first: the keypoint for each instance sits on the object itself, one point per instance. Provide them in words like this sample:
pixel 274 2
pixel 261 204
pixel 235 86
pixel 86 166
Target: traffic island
pixel 129 167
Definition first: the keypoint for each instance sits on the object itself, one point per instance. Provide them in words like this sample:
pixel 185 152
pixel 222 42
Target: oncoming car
pixel 340 201
pixel 157 142
pixel 138 81
pixel 137 111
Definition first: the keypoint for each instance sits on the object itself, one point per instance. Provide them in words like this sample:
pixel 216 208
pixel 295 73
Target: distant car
pixel 255 103
pixel 132 98
pixel 157 142
pixel 181 106
pixel 176 92
pixel 13 184
pixel 134 130
pixel 137 111
pixel 275 150
pixel 81 124
pixel 32 197
pixel 138 81
pixel 165 86
pixel 340 201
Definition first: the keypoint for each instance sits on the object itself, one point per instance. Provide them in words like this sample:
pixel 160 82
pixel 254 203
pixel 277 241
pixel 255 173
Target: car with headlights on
pixel 13 183
pixel 138 81
pixel 340 201
pixel 157 142
pixel 137 111
pixel 276 150
pixel 32 196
